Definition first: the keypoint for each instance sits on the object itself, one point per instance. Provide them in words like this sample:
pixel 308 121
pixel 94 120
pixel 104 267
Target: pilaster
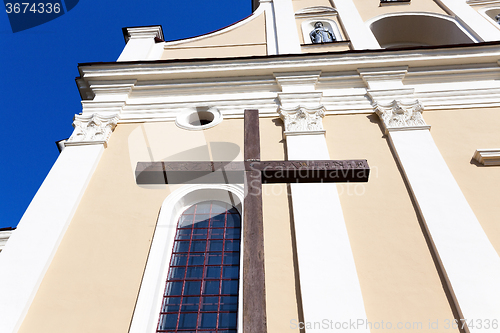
pixel 320 232
pixel 29 251
pixel 140 42
pixel 358 32
pixel 286 29
pixel 470 264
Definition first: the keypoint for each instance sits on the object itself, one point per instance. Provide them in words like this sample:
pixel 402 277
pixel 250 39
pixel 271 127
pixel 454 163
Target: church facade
pixel 129 232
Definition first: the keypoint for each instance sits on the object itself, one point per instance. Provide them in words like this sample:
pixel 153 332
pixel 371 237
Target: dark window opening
pixel 201 293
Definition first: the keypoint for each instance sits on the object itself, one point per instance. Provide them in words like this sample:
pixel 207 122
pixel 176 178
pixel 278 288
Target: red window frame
pixel 195 298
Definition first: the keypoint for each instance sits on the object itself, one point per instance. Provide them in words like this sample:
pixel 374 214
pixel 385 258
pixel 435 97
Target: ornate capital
pixel 302 120
pixel 92 129
pixel 398 115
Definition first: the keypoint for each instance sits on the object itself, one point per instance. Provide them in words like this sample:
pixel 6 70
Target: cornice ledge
pixel 483 2
pixel 401 116
pixel 297 81
pixel 314 11
pixel 155 31
pixel 487 156
pixel 92 129
pixel 302 120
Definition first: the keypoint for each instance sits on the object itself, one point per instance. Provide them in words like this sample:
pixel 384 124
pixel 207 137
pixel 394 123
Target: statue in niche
pixel 320 34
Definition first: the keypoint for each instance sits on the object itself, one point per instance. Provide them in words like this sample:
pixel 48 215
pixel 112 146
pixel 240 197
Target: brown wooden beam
pixel 329 171
pixel 254 288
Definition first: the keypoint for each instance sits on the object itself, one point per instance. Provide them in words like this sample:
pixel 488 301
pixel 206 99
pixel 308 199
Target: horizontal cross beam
pixel 328 171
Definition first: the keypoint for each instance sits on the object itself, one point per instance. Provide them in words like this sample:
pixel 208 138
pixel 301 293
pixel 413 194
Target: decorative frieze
pixel 303 120
pixel 399 115
pixel 92 129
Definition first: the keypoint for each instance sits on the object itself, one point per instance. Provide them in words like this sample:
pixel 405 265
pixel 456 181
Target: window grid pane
pixel 202 286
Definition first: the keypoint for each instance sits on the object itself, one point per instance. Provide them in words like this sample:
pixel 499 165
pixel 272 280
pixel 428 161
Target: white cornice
pixel 143 32
pixel 487 156
pixel 446 78
pixel 315 11
pixel 316 62
pixel 483 2
pixel 4 237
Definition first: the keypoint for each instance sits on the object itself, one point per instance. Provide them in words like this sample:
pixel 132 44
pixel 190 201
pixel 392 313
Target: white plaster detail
pixel 315 11
pixel 400 115
pixel 140 41
pixel 297 81
pixel 471 19
pixel 143 32
pixel 191 119
pixel 483 2
pixel 147 309
pixel 323 246
pixel 383 78
pixel 4 237
pixel 490 13
pixel 455 233
pixel 302 119
pixel 487 156
pixel 357 32
pixel 286 28
pixel 30 249
pixel 92 129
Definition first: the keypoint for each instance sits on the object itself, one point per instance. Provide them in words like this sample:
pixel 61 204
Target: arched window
pixel 201 292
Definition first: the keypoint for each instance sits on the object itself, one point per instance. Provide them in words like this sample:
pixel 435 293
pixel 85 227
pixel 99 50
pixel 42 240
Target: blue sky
pixel 38 66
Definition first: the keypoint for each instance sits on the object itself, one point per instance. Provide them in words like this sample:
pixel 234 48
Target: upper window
pixel 201 293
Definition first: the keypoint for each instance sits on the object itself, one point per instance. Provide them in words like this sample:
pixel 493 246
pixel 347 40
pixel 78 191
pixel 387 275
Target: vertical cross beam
pixel 254 292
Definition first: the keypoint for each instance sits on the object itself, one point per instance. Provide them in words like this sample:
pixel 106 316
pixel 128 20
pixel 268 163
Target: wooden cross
pixel 253 173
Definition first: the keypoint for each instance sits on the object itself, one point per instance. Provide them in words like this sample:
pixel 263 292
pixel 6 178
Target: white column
pixel 271 36
pixel 329 282
pixel 360 35
pixel 29 251
pixel 286 28
pixel 471 264
pixel 140 43
pixel 471 19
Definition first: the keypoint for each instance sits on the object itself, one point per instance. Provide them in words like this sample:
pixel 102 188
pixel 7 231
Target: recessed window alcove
pixel 418 29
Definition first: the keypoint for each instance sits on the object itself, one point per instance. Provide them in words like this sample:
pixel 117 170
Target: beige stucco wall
pixel 93 280
pixel 398 278
pixel 279 262
pixel 299 4
pixel 369 9
pixel 281 295
pixel 248 39
pixel 458 133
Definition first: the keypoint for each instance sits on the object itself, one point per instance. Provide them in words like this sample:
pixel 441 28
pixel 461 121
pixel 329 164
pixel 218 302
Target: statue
pixel 497 18
pixel 321 34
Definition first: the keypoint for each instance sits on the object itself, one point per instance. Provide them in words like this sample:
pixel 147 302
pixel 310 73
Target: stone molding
pixel 155 31
pixel 92 129
pixel 487 156
pixel 297 81
pixel 398 115
pixel 4 237
pixel 303 120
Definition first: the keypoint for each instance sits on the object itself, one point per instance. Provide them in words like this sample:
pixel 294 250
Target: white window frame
pixel 149 300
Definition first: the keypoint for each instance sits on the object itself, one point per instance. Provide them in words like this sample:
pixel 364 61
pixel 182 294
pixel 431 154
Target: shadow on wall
pixel 418 29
